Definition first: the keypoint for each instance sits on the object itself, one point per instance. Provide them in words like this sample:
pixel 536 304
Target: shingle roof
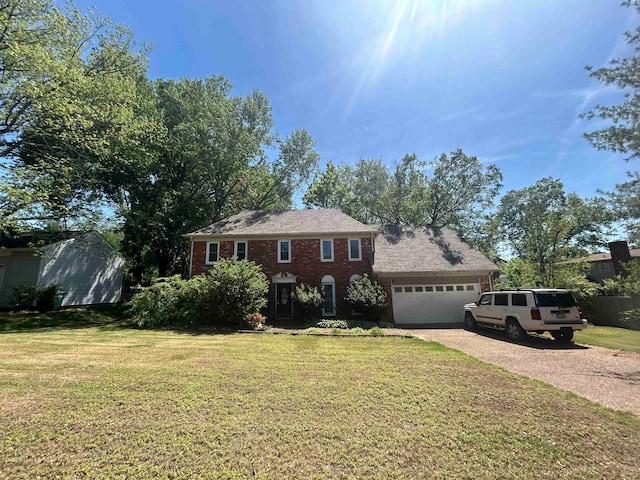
pixel 419 251
pixel 602 256
pixel 289 222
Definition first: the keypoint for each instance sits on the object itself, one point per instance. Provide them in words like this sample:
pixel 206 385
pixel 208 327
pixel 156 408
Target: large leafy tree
pixel 210 164
pixel 622 134
pixel 72 108
pixel 544 225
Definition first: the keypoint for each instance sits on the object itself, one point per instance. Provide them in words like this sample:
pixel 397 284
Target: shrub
pixel 336 331
pixel 310 300
pixel 235 290
pixel 357 331
pixel 377 332
pixel 175 303
pixel 314 331
pixel 367 297
pixel 228 295
pixel 23 296
pixel 256 321
pixel 631 318
pixel 46 296
pixel 626 283
pixel 332 324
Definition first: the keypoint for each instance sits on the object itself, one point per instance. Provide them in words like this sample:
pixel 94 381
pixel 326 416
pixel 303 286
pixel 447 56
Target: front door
pixel 283 300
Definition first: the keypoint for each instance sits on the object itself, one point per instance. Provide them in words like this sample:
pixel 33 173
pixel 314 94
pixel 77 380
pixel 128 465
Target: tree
pixel 211 164
pixel 452 191
pixel 367 297
pixel 69 106
pixel 543 225
pixel 622 133
pixel 626 204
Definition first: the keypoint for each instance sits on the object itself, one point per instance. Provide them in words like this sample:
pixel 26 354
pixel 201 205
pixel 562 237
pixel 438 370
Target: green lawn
pixel 610 337
pixel 104 401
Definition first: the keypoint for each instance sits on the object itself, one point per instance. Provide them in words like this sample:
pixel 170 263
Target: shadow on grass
pixel 104 317
pixel 107 317
pixel 532 341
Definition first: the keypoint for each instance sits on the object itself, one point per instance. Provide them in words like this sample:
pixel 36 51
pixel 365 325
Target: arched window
pixel 329 295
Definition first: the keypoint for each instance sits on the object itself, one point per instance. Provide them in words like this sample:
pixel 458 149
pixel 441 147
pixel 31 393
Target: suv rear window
pixel 564 299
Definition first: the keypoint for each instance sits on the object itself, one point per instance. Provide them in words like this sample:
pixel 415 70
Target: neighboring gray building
pixel 606 265
pixel 84 265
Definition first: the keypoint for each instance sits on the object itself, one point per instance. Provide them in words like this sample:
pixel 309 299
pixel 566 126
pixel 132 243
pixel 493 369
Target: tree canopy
pixel 544 225
pixel 622 134
pixel 451 191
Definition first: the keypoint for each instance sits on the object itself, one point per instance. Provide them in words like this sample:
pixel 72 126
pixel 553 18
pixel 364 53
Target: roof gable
pixel 288 222
pixel 430 249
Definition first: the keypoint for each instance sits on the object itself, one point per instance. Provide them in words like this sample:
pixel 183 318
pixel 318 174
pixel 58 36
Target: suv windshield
pixel 564 299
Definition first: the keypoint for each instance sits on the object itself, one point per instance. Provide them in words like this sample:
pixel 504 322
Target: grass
pixel 610 337
pixel 102 402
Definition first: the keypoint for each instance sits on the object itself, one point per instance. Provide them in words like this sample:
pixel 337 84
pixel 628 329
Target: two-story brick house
pixel 324 248
pixel 428 274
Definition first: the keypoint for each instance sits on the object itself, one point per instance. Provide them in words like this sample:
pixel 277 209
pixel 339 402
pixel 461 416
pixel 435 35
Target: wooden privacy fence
pixel 607 311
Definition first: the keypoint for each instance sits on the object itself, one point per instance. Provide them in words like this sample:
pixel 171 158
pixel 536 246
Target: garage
pixel 432 304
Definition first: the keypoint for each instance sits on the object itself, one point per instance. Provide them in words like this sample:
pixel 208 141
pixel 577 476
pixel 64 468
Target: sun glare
pixel 410 28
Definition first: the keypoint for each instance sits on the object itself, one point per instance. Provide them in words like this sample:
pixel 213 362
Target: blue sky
pixel 502 79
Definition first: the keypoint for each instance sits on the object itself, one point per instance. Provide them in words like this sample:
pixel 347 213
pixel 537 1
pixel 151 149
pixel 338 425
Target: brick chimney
pixel 619 253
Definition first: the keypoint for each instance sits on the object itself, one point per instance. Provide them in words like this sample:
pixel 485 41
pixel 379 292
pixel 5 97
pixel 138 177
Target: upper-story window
pixel 326 250
pixel 240 252
pixel 213 252
pixel 355 252
pixel 284 251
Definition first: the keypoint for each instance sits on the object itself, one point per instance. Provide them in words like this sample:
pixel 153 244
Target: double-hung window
pixel 284 251
pixel 355 253
pixel 213 253
pixel 240 251
pixel 326 250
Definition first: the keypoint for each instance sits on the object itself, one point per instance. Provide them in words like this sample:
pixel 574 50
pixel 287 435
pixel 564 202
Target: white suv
pixel 527 310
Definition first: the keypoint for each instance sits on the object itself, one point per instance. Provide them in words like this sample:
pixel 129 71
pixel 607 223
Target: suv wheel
pixel 470 322
pixel 565 336
pixel 514 330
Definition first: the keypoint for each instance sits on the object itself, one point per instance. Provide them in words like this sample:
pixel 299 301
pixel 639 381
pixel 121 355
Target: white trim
pixel 328 280
pixel 206 258
pixel 280 242
pixel 191 258
pixel 284 277
pixel 359 257
pixel 246 249
pixel 322 259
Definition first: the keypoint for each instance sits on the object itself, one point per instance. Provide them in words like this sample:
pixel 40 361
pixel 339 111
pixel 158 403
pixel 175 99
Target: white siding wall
pixel 86 268
pixel 21 269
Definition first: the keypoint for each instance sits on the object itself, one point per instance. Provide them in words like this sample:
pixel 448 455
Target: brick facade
pixel 305 263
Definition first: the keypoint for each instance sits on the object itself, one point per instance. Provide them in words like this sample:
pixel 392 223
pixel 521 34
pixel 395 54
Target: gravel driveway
pixel 609 377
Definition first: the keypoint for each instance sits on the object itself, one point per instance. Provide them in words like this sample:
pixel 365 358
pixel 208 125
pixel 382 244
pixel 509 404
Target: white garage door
pixel 429 304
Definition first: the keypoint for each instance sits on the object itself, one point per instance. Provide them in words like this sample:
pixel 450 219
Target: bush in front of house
pixel 236 290
pixel 310 300
pixel 367 297
pixel 229 295
pixel 170 302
